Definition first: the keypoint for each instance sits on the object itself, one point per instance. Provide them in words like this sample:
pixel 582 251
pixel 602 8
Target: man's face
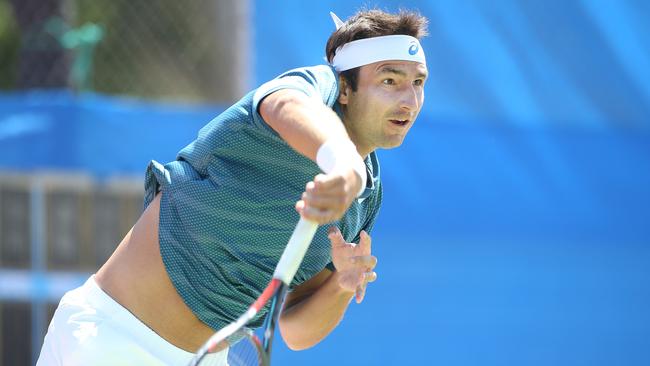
pixel 389 97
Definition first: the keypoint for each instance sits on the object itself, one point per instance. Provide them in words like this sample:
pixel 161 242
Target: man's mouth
pixel 399 122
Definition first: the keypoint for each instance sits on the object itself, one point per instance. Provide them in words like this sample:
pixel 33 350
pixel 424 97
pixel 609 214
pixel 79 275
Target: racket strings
pixel 245 353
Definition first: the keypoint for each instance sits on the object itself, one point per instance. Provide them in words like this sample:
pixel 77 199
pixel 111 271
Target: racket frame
pixel 276 290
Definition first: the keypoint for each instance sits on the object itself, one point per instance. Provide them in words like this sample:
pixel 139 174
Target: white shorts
pixel 90 328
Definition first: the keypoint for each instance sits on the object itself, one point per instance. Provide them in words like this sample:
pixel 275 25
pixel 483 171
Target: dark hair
pixel 374 23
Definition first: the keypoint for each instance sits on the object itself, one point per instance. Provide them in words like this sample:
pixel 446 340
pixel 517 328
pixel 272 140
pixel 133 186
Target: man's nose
pixel 409 100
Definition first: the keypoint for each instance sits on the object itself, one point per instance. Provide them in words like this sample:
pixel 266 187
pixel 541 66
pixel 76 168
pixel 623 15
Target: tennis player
pixel 218 217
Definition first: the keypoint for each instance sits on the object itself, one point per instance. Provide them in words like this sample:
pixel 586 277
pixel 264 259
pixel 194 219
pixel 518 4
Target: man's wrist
pixel 339 154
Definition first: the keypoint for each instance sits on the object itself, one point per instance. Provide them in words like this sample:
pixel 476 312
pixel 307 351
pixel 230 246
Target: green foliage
pixel 152 48
pixel 9 45
pixel 158 49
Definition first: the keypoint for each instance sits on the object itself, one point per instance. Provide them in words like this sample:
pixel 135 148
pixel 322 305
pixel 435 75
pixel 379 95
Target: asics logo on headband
pixel 413 49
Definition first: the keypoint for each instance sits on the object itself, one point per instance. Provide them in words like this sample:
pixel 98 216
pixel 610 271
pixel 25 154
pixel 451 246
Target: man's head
pixel 373 23
pixel 381 98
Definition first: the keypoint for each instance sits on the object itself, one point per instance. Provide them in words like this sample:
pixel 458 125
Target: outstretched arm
pixel 306 124
pixel 317 306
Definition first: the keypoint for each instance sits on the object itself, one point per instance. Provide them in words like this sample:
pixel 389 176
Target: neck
pixel 362 150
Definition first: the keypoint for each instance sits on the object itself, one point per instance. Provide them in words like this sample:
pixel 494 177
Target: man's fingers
pixel 313 214
pixel 360 292
pixel 300 207
pixel 335 236
pixel 317 215
pixel 322 205
pixel 324 201
pixel 371 277
pixel 367 261
pixel 326 182
pixel 333 184
pixel 365 242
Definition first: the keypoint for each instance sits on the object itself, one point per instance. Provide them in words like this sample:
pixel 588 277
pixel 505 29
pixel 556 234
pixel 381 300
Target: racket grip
pixel 295 251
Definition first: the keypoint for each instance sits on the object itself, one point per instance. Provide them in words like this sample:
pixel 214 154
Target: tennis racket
pixel 253 350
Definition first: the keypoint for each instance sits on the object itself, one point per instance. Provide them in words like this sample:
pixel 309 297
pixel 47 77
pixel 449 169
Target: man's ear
pixel 344 90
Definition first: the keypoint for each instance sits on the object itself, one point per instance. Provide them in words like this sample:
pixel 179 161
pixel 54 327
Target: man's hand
pixel 354 263
pixel 328 196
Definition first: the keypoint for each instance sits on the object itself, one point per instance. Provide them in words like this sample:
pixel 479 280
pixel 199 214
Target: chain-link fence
pixel 195 50
pixel 57 229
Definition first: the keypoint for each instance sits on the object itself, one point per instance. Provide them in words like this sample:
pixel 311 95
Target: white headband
pixel 369 50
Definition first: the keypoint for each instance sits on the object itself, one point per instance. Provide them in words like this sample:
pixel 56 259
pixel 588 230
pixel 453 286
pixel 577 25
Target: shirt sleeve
pixel 319 82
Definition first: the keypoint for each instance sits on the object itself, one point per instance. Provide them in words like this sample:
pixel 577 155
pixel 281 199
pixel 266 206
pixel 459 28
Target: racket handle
pixel 295 250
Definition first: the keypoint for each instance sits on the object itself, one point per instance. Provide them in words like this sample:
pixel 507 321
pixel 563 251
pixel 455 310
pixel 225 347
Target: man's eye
pixel 388 81
pixel 418 82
